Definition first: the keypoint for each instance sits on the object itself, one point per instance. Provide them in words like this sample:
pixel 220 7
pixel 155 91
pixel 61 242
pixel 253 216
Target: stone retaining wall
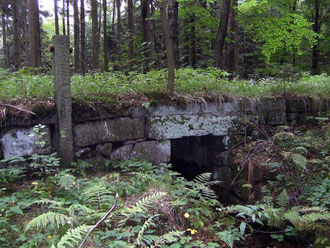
pixel 148 134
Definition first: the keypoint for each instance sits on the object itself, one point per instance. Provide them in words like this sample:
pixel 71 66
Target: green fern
pixel 202 184
pixel 169 238
pixel 51 203
pixel 98 195
pixel 140 207
pixel 47 219
pixel 147 224
pixel 73 237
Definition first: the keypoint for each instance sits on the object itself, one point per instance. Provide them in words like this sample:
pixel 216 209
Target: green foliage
pixel 49 219
pixel 73 237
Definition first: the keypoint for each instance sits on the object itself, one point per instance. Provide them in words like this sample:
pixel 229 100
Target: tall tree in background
pixel 233 36
pixel 105 36
pixel 192 41
pixel 57 28
pixel 76 35
pixel 63 17
pixel 68 18
pixel 34 33
pixel 130 9
pixel 316 28
pixel 146 50
pixel 221 35
pixel 169 47
pixel 17 59
pixel 173 19
pixel 95 34
pixel 82 37
pixel 118 4
pixel 4 39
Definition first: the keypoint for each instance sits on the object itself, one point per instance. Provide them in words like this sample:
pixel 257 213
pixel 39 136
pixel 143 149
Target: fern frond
pixel 51 203
pixel 206 179
pixel 98 195
pixel 147 224
pixel 169 238
pixel 140 207
pixel 49 218
pixel 73 237
pixel 202 185
pixel 79 209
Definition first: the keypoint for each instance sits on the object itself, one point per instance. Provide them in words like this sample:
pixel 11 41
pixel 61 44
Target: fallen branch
pixel 17 108
pixel 99 222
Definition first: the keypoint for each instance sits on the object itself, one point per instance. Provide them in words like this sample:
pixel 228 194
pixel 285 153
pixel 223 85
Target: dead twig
pixel 99 222
pixel 17 108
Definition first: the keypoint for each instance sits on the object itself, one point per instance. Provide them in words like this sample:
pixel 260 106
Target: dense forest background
pixel 250 38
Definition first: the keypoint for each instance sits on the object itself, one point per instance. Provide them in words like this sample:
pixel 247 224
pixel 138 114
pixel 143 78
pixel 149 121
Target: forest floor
pixel 284 181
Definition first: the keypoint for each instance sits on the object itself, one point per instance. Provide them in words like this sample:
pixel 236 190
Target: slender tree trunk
pixel 68 18
pixel 186 38
pixel 83 37
pixel 233 47
pixel 34 34
pixel 192 43
pixel 173 15
pixel 17 59
pixel 316 28
pixel 4 40
pixel 130 9
pixel 112 36
pixel 118 31
pixel 95 34
pixel 57 27
pixel 222 32
pixel 76 35
pixel 145 14
pixel 169 47
pixel 63 18
pixel 156 39
pixel 105 36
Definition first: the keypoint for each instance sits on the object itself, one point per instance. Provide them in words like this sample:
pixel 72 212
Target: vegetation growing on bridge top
pixel 110 86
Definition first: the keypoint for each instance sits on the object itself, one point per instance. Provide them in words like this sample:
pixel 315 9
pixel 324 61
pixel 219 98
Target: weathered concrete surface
pixel 116 130
pixel 155 152
pixel 24 141
pixel 298 105
pixel 178 126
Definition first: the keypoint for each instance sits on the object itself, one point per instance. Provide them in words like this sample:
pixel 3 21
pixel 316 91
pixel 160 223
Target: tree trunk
pixel 192 43
pixel 173 15
pixel 222 32
pixel 17 60
pixel 83 37
pixel 112 36
pixel 4 40
pixel 34 34
pixel 130 9
pixel 76 35
pixel 233 47
pixel 105 36
pixel 118 31
pixel 146 50
pixel 57 27
pixel 155 34
pixel 68 19
pixel 63 18
pixel 169 47
pixel 316 28
pixel 95 34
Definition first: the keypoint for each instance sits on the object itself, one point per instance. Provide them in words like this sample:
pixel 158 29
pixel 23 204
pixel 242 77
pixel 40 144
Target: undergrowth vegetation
pixel 287 202
pixel 100 86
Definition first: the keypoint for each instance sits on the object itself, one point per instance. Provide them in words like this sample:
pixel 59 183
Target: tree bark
pixel 173 15
pixel 57 27
pixel 105 36
pixel 233 47
pixel 17 59
pixel 76 35
pixel 82 37
pixel 169 48
pixel 118 31
pixel 95 34
pixel 146 50
pixel 68 18
pixel 34 34
pixel 221 35
pixel 130 9
pixel 63 17
pixel 4 40
pixel 316 28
